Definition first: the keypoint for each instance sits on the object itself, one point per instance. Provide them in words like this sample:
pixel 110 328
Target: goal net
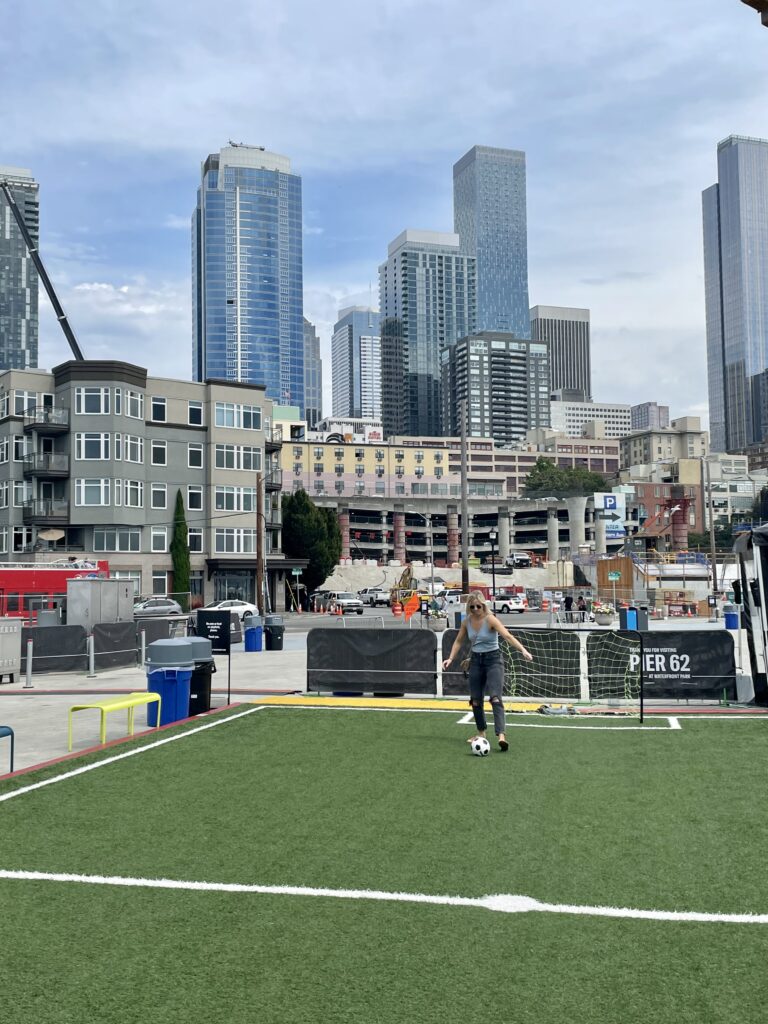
pixel 601 667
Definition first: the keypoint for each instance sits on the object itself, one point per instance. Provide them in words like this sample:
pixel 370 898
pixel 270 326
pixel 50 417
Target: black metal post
pixel 493 565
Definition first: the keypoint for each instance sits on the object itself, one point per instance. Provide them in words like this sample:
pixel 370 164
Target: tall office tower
pixel 247 273
pixel 649 415
pixel 735 212
pixel 313 376
pixel 427 292
pixel 489 215
pixel 505 381
pixel 18 277
pixel 566 330
pixel 356 363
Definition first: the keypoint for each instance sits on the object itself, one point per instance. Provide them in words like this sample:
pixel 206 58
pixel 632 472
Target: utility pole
pixel 464 501
pixel 260 543
pixel 712 550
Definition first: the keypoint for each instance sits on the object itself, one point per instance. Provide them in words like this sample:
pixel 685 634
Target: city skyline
pixel 611 226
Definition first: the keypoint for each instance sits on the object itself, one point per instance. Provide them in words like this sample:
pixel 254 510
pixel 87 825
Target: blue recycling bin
pixel 731 616
pixel 254 636
pixel 173 685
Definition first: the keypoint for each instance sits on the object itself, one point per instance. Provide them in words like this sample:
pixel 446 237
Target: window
pixel 134 575
pixel 236 541
pixel 24 401
pixel 4 449
pixel 118 401
pixel 158 452
pixel 360 470
pixel 339 454
pixel 133 493
pixel 195 456
pixel 4 406
pixel 158 496
pixel 236 499
pixel 158 409
pixel 238 456
pixel 319 468
pixel 297 452
pixel 133 448
pixel 339 470
pixel 92 446
pixel 111 539
pixel 244 417
pixel 4 494
pixel 339 486
pixel 21 447
pixel 92 492
pixel 22 541
pixel 92 401
pixel 195 497
pixel 22 491
pixel 379 455
pixel 134 405
pixel 159 582
pixel 159 539
pixel 195 414
pixel 118 446
pixel 318 453
pixel 195 539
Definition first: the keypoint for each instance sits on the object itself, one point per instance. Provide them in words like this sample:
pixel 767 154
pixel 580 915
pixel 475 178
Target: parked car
pixel 373 596
pixel 344 600
pixel 519 560
pixel 157 606
pixel 452 596
pixel 506 603
pixel 243 609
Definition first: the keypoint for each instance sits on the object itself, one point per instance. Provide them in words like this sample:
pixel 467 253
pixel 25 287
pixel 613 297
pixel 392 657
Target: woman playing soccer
pixel 486 669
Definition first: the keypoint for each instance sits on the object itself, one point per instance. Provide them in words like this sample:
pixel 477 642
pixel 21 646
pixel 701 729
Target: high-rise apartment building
pixel 356 363
pixel 247 273
pixel 427 291
pixel 18 276
pixel 503 379
pixel 570 417
pixel 649 416
pixel 489 215
pixel 313 375
pixel 735 273
pixel 566 331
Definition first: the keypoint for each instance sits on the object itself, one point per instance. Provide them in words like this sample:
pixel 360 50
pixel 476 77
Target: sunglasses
pixel 476 607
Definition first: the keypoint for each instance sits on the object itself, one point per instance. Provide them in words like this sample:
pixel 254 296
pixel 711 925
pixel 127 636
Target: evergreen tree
pixel 180 554
pixel 312 533
pixel 547 479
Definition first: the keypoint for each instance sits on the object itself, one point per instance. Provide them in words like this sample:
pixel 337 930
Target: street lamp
pixel 493 536
pixel 428 521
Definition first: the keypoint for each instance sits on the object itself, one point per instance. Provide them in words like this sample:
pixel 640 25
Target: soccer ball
pixel 480 746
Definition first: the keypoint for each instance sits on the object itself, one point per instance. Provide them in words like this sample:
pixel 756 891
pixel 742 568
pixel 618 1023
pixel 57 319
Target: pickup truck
pixel 373 596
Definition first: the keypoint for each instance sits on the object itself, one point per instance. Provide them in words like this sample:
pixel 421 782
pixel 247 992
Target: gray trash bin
pixel 274 631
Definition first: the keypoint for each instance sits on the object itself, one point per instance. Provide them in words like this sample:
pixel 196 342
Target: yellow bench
pixel 125 701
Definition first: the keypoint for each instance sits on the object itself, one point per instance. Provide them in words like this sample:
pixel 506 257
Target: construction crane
pixel 29 241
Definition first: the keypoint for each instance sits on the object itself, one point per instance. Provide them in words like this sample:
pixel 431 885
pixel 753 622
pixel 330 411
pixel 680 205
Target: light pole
pixel 428 521
pixel 492 535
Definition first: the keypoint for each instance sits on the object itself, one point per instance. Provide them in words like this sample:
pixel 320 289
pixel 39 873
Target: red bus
pixel 28 587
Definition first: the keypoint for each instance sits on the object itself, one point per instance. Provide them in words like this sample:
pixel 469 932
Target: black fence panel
pixel 384 661
pixel 114 644
pixel 56 648
pixel 689 665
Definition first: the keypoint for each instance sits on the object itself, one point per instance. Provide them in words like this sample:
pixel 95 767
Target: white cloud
pixel 177 223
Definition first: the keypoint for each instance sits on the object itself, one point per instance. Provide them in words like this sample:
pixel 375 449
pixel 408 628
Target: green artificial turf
pixel 370 800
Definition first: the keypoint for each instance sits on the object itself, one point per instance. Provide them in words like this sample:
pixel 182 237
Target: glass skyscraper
pixel 313 376
pixel 489 216
pixel 356 363
pixel 735 213
pixel 18 277
pixel 427 292
pixel 247 273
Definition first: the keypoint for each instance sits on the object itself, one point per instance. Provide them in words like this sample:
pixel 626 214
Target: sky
pixel 619 107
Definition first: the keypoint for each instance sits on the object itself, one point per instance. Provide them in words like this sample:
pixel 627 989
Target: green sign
pixel 614 576
pixel 296 572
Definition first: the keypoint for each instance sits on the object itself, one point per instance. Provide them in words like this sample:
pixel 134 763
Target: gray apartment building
pixel 18 277
pixel 504 381
pixel 94 453
pixel 566 330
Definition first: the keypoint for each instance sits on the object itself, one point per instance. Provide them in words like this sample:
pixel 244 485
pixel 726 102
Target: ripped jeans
pixel 486 675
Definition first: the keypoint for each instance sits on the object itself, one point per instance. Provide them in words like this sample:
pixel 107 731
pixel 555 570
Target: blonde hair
pixel 476 598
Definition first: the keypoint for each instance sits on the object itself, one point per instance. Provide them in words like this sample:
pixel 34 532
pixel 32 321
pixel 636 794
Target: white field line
pixel 128 753
pixel 674 723
pixel 502 903
pixel 467 719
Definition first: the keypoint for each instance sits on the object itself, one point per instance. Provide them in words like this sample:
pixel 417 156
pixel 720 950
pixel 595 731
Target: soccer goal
pixel 599 667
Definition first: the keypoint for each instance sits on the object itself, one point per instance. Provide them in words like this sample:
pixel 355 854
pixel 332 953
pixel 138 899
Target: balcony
pixel 50 464
pixel 273 480
pixel 46 420
pixel 46 511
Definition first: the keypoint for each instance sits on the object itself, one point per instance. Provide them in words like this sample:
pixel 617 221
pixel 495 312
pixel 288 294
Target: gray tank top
pixel 484 639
